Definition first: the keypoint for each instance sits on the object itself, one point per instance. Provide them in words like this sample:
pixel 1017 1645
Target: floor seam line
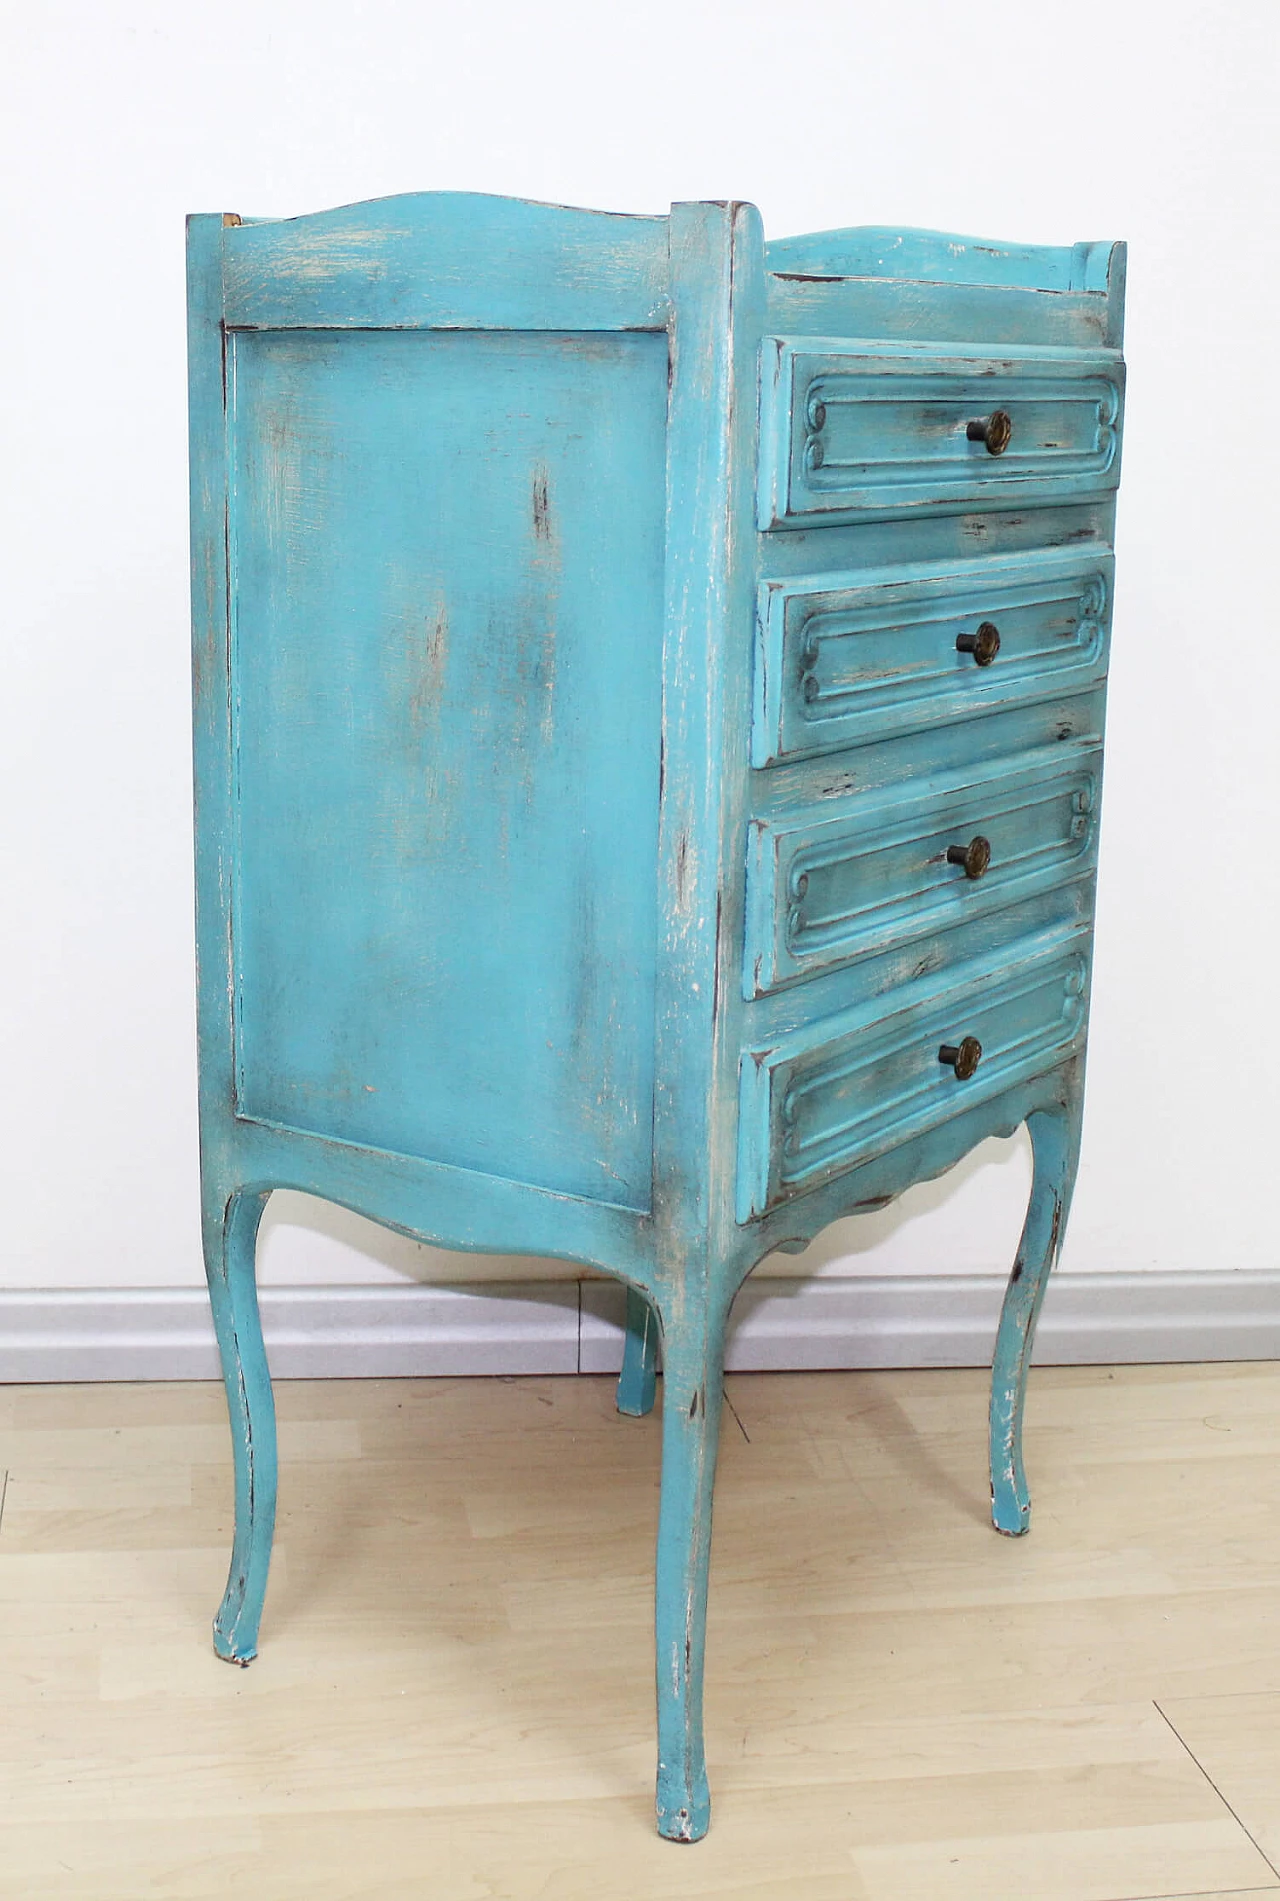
pixel 1216 1790
pixel 733 1409
pixel 1198 1894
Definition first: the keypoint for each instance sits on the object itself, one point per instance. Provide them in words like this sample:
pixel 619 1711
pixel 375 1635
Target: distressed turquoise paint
pixel 1055 1142
pixel 938 257
pixel 447 647
pixel 580 732
pixel 857 431
pixel 637 1383
pixel 231 1232
pixel 871 653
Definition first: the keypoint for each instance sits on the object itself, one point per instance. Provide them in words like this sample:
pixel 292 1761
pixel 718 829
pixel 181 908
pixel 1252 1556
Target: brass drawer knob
pixel 975 856
pixel 984 645
pixel 963 1056
pixel 995 430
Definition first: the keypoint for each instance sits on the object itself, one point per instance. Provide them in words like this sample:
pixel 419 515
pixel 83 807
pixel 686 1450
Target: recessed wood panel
pixel 447 567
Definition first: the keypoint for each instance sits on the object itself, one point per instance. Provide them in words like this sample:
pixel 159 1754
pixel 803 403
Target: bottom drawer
pixel 841 1091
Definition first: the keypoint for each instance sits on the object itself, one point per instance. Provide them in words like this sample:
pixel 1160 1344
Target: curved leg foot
pixel 692 1391
pixel 230 1238
pixel 1055 1142
pixel 639 1357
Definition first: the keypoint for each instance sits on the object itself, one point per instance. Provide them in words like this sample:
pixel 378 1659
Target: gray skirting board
pixel 575 1326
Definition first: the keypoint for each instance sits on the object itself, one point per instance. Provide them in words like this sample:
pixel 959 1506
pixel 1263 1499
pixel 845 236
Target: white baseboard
pixel 311 1332
pixel 570 1327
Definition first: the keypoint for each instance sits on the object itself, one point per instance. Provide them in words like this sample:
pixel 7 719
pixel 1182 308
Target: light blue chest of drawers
pixel 648 708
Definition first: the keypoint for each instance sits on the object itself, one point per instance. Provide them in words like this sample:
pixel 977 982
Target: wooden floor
pixel 454 1699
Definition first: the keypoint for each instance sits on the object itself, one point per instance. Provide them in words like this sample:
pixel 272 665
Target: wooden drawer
pixel 824 888
pixel 854 429
pixel 848 657
pixel 844 1090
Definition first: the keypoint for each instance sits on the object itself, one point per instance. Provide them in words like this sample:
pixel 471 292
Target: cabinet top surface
pixel 877 251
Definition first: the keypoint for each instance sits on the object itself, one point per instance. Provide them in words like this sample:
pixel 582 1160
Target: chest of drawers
pixel 648 713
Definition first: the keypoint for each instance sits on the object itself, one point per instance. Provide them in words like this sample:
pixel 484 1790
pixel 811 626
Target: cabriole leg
pixel 692 1391
pixel 230 1238
pixel 639 1357
pixel 1055 1143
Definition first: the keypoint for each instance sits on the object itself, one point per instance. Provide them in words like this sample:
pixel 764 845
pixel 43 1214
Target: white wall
pixel 1038 121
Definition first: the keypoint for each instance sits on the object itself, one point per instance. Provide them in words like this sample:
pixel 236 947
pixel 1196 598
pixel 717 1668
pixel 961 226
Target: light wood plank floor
pixel 454 1698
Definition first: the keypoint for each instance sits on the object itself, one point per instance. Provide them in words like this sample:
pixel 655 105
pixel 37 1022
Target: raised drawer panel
pixel 849 657
pixel 826 888
pixel 848 1089
pixel 857 429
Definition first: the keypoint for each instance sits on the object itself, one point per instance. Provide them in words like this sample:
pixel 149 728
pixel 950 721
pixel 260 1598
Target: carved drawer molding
pixel 853 429
pixel 825 888
pixel 851 656
pixel 844 1090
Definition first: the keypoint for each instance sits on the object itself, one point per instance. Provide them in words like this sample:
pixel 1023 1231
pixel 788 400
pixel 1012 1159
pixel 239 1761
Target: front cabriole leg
pixel 1055 1144
pixel 692 1391
pixel 639 1357
pixel 230 1245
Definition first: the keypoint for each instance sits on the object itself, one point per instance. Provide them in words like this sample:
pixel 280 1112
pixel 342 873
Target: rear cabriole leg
pixel 639 1357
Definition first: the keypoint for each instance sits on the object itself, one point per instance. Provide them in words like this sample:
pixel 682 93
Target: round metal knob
pixel 975 856
pixel 984 645
pixel 995 430
pixel 963 1057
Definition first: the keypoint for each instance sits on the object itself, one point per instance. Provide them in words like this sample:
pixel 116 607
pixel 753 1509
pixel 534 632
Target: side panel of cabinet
pixel 446 565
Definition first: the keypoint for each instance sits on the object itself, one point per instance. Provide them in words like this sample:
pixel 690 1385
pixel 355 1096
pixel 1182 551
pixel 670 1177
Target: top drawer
pixel 856 429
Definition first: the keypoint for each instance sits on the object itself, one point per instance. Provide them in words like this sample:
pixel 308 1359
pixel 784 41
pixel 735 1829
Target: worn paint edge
pixel 779 1325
